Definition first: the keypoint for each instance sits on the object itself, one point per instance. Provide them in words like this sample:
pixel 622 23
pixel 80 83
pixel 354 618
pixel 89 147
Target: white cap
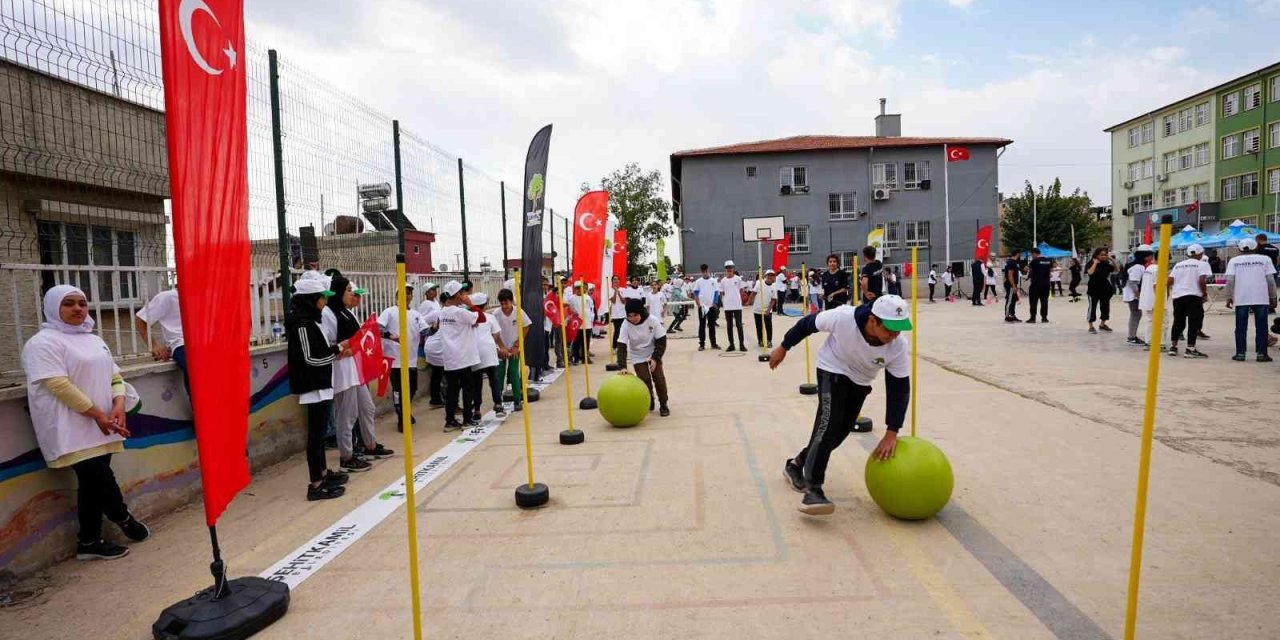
pixel 1247 244
pixel 1195 250
pixel 307 286
pixel 479 299
pixel 729 263
pixel 429 286
pixel 768 272
pixel 452 287
pixel 1143 247
pixel 591 286
pixel 893 312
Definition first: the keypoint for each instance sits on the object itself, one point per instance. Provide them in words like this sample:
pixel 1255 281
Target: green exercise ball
pixel 914 484
pixel 624 400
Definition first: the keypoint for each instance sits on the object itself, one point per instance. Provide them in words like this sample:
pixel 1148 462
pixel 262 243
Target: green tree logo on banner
pixel 536 187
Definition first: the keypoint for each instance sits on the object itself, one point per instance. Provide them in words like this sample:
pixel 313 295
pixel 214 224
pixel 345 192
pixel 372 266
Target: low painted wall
pixel 158 470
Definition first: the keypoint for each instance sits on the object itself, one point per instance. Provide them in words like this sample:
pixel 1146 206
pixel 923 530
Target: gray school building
pixel 832 191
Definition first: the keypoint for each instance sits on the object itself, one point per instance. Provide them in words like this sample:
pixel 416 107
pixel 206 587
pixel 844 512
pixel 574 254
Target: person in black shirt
pixel 978 279
pixel 1271 251
pixel 835 284
pixel 1100 269
pixel 1075 279
pixel 1215 262
pixel 871 280
pixel 1012 274
pixel 1038 289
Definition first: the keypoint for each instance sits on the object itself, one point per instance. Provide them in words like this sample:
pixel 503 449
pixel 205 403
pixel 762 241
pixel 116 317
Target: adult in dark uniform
pixel 835 284
pixel 1040 269
pixel 978 282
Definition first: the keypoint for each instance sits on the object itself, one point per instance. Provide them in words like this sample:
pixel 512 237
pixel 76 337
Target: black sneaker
pixel 794 475
pixel 1193 353
pixel 1173 351
pixel 702 348
pixel 134 530
pixel 1239 357
pixel 518 407
pixel 436 404
pixel 1136 342
pixel 474 422
pixel 1092 330
pixel 1010 319
pixel 816 504
pixel 1202 336
pixel 100 550
pixel 731 349
pixel 664 411
pixel 500 411
pixel 1264 358
pixel 1031 321
pixel 354 465
pixel 1104 328
pixel 379 452
pixel 715 347
pixel 324 492
pixel 452 425
pixel 1044 320
pixel 334 478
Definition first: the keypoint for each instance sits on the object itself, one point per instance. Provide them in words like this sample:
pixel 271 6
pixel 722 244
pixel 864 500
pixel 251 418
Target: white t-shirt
pixel 1055 274
pixel 933 276
pixel 389 320
pixel 780 288
pixel 507 325
pixel 345 374
pixel 989 276
pixel 1147 288
pixel 731 288
pixel 846 352
pixel 795 283
pixel 1135 275
pixel 458 341
pixel 486 348
pixel 656 303
pixel 163 310
pixel 1251 271
pixel 85 360
pixel 640 338
pixel 948 279
pixel 433 349
pixel 765 294
pixel 427 307
pixel 705 289
pixel 1186 277
pixel 618 306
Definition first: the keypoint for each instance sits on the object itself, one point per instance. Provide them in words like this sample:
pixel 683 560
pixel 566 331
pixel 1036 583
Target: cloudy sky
pixel 633 80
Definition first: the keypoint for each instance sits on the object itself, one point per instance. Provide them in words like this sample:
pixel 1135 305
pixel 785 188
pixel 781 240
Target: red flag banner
pixel 620 254
pixel 384 377
pixel 572 325
pixel 1146 235
pixel 590 217
pixel 957 154
pixel 366 346
pixel 982 248
pixel 202 54
pixel 781 249
pixel 551 308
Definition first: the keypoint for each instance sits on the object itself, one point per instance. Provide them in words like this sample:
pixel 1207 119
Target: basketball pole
pixel 808 388
pixel 915 331
pixel 533 494
pixel 588 401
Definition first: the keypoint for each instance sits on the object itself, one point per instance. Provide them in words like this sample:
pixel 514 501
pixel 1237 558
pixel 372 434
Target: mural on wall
pixel 158 470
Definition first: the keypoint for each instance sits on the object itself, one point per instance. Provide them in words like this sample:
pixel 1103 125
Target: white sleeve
pixel 899 366
pixel 493 327
pixel 524 319
pixel 827 320
pixel 329 324
pixel 42 359
pixel 661 331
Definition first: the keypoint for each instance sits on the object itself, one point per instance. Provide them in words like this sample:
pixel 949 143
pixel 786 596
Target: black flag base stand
pixel 862 425
pixel 228 610
pixel 588 402
pixel 809 389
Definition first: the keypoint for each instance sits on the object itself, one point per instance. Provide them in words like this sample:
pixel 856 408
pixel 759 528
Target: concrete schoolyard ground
pixel 683 527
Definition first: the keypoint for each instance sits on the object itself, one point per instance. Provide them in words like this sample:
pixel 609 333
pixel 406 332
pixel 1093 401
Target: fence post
pixel 395 141
pixel 568 250
pixel 277 147
pixel 462 204
pixel 502 191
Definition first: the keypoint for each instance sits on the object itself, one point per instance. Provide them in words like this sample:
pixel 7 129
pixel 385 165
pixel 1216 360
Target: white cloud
pixel 960 4
pixel 1264 6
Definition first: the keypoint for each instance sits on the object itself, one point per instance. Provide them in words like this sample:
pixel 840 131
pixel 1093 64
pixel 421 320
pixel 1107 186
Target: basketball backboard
pixel 761 229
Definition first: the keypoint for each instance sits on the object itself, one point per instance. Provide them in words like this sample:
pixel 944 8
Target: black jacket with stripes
pixel 311 357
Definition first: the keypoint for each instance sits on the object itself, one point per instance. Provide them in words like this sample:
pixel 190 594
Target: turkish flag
pixel 907 270
pixel 982 248
pixel 202 55
pixel 620 254
pixel 780 250
pixel 384 379
pixel 572 325
pixel 1146 235
pixel 590 217
pixel 957 154
pixel 1193 207
pixel 551 308
pixel 366 347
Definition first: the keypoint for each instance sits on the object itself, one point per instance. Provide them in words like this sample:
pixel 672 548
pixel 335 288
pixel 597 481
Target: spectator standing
pixel 1075 279
pixel 429 307
pixel 1251 289
pixel 311 358
pixel 704 299
pixel 1040 274
pixel 1188 284
pixel 338 325
pixel 870 281
pixel 948 281
pixel 979 282
pixel 731 288
pixel 835 283
pixel 989 278
pixel 1099 288
pixel 1266 249
pixel 763 299
pixel 1133 281
pixel 1012 274
pixel 933 281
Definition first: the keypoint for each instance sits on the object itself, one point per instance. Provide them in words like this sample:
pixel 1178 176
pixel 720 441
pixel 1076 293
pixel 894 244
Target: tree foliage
pixel 637 203
pixel 1053 218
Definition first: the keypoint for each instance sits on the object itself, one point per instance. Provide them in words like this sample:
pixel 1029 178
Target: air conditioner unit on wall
pixel 880 194
pixel 800 189
pixel 1128 185
pixel 1160 177
pixel 785 190
pixel 924 184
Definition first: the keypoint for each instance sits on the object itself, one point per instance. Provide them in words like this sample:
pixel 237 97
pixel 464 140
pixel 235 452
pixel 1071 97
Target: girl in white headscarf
pixel 77 404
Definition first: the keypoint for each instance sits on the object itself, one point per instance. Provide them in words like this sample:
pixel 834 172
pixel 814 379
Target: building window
pixel 917 234
pixel 1171 162
pixel 1140 203
pixel 1202 114
pixel 1252 141
pixel 1252 97
pixel 1135 136
pixel 1141 169
pixel 1273 180
pixel 1249 185
pixel 1200 192
pixel 1230 146
pixel 1135 237
pixel 913 173
pixel 1230 188
pixel 846 258
pixel 1273 223
pixel 1274 133
pixel 1148 132
pixel 1202 154
pixel 1170 127
pixel 1184 195
pixel 1184 158
pixel 891 237
pixel 794 179
pixel 1169 198
pixel 62 244
pixel 884 175
pixel 842 206
pixel 751 172
pixel 1231 104
pixel 799 238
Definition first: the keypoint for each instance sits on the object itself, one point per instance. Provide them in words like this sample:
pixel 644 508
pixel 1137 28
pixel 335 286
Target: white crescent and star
pixel 955 154
pixel 588 221
pixel 781 247
pixel 983 243
pixel 186 12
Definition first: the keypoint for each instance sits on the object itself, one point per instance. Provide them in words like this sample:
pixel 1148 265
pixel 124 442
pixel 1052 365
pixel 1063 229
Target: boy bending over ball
pixel 646 342
pixel 862 341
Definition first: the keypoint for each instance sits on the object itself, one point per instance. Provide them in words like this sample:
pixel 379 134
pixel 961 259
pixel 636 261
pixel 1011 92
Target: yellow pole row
pixel 524 385
pixel 915 331
pixel 406 426
pixel 1148 429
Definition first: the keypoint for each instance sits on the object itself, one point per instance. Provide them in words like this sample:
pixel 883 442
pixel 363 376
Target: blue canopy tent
pixel 1239 231
pixel 1189 236
pixel 1049 251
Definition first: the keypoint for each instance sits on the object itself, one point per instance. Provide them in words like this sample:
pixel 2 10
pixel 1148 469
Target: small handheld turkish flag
pixel 573 324
pixel 957 154
pixel 551 308
pixel 366 346
pixel 384 379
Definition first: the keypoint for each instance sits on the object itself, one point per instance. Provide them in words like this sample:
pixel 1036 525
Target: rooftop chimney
pixel 888 125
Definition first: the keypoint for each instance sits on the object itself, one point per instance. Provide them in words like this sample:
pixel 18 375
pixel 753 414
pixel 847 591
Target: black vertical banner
pixel 534 196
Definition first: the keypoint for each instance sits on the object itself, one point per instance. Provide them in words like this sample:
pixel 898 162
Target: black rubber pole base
pixel 588 403
pixel 528 497
pixel 572 437
pixel 762 358
pixel 809 389
pixel 612 366
pixel 250 605
pixel 533 395
pixel 862 424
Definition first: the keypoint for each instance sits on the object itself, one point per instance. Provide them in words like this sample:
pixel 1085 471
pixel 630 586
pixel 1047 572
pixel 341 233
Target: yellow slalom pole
pixel 406 425
pixel 855 299
pixel 808 388
pixel 1148 428
pixel 524 385
pixel 915 331
pixel 564 347
pixel 586 351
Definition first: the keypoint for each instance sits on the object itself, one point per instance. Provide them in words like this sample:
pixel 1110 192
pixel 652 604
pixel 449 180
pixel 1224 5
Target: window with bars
pixel 1202 154
pixel 1231 104
pixel 913 173
pixel 891 237
pixel 1252 97
pixel 917 233
pixel 751 172
pixel 799 238
pixel 1252 140
pixel 1202 114
pixel 842 206
pixel 1170 127
pixel 71 245
pixel 797 178
pixel 884 175
pixel 1273 223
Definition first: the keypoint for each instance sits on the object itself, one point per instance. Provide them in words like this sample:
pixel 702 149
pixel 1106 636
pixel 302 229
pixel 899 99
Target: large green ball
pixel 624 400
pixel 914 484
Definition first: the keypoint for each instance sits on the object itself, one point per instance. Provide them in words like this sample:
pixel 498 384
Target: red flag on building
pixel 620 253
pixel 982 248
pixel 781 248
pixel 590 217
pixel 1193 207
pixel 202 54
pixel 366 347
pixel 551 308
pixel 1146 235
pixel 957 154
